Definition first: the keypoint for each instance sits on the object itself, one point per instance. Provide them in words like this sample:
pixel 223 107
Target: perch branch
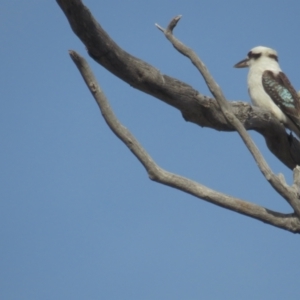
pixel 290 194
pixel 194 106
pixel 285 221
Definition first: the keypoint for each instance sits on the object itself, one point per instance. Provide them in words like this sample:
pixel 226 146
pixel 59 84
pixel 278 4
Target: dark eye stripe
pixel 254 55
pixel 273 56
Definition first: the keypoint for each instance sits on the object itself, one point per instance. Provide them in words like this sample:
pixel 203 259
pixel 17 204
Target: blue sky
pixel 79 218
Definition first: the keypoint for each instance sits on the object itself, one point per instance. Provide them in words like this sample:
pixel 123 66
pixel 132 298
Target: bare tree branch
pixel 278 183
pixel 194 106
pixel 285 221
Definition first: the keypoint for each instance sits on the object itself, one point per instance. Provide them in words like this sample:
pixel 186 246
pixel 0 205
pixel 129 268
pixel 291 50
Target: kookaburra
pixel 269 87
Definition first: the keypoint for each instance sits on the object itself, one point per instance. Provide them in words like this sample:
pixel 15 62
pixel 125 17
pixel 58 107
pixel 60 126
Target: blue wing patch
pixel 279 88
pixel 277 91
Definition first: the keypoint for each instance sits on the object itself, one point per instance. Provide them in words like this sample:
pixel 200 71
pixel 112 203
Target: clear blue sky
pixel 79 218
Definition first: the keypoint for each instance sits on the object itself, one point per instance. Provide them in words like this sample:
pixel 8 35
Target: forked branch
pixel 218 114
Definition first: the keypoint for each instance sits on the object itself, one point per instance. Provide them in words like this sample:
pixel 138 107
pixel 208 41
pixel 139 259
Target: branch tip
pixel 72 53
pixel 173 23
pixel 159 27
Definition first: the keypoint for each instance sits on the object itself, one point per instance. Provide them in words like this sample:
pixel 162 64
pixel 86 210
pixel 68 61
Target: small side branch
pixel 278 183
pixel 285 221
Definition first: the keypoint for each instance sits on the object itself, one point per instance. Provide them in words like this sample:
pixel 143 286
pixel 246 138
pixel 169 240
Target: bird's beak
pixel 242 64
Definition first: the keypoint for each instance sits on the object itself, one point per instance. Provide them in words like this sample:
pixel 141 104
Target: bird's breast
pixel 259 97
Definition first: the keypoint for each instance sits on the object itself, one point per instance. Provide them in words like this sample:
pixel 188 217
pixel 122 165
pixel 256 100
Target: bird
pixel 270 89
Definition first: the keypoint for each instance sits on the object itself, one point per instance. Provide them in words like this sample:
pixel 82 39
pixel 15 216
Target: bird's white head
pixel 259 56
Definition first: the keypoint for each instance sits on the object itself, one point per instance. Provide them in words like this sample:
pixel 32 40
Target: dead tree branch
pixel 285 221
pixel 194 106
pixel 218 114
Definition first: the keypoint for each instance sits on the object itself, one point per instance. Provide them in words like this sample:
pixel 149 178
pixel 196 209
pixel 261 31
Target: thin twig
pixel 285 221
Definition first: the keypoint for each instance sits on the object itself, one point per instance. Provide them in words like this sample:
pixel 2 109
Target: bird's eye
pixel 254 55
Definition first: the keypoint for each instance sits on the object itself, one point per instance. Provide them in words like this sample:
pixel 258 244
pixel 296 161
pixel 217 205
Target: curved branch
pixel 285 221
pixel 277 182
pixel 194 106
